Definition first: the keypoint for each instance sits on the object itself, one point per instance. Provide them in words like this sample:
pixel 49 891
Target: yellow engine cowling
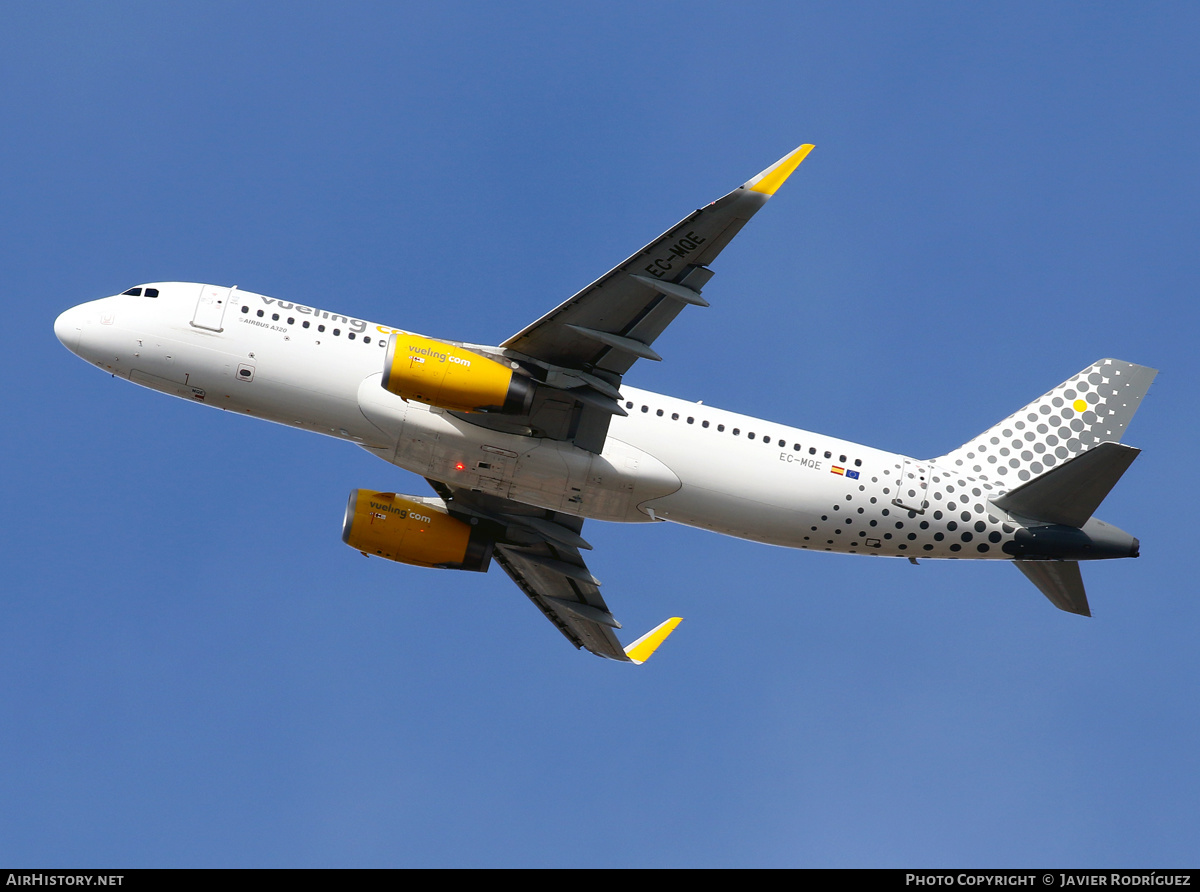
pixel 450 377
pixel 414 532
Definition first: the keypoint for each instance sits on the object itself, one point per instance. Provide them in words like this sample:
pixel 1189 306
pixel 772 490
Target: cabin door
pixel 210 308
pixel 913 486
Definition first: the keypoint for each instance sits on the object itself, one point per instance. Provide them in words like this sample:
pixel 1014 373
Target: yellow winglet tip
pixel 774 176
pixel 640 651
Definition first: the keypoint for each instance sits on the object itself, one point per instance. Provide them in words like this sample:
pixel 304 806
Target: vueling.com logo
pixel 400 512
pixel 440 357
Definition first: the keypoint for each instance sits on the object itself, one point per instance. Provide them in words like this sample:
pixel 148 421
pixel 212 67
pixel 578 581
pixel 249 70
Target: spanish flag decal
pixel 836 470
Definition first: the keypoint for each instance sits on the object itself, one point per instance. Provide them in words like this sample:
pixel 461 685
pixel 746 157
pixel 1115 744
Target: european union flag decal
pixel 853 475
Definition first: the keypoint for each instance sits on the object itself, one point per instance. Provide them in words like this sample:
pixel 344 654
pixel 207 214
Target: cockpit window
pixel 135 292
pixel 151 292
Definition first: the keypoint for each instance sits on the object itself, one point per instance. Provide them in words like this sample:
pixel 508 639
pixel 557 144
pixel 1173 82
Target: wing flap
pixel 544 560
pixel 574 606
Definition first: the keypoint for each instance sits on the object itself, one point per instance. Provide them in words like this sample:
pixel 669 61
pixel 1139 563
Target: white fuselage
pixel 669 459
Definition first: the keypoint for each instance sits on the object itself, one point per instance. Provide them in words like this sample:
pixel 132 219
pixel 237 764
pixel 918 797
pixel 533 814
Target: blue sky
pixel 197 672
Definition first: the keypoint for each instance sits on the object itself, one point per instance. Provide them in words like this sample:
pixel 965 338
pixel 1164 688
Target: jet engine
pixel 451 377
pixel 414 530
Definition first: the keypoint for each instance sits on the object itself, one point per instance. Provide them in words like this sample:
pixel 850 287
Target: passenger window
pixel 829 455
pixel 674 416
pixel 721 428
pixel 704 424
pixel 274 317
pixel 291 320
pixel 351 336
pixel 749 436
pixel 304 324
pixel 736 431
pixel 691 420
pixel 337 332
pixel 367 340
pixel 659 413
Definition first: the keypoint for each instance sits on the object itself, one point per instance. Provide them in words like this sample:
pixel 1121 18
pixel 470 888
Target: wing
pixel 541 552
pixel 611 323
pixel 583 347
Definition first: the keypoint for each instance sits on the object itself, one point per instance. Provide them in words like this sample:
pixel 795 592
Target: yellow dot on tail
pixel 1079 405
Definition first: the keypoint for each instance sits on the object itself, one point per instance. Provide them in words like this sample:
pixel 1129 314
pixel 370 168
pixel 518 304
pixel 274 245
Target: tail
pixel 1084 411
pixel 1054 461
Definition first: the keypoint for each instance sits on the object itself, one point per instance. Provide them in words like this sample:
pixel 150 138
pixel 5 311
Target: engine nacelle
pixel 450 377
pixel 414 531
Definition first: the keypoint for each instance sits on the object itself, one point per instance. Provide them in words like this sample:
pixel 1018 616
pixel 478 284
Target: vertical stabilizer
pixel 1060 581
pixel 1087 409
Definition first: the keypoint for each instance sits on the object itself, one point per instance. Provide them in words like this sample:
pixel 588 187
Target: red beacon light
pixel 459 466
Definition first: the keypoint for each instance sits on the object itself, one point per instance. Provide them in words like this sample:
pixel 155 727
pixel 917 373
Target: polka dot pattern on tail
pixel 1092 407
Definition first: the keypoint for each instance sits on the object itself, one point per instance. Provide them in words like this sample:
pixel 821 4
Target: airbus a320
pixel 524 441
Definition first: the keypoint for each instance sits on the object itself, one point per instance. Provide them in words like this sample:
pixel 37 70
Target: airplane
pixel 523 441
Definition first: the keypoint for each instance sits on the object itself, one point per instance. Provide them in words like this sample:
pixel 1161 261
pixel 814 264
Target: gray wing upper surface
pixel 541 553
pixel 583 347
pixel 613 322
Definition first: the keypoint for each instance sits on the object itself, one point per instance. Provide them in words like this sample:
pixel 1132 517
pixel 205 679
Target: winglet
pixel 773 177
pixel 640 651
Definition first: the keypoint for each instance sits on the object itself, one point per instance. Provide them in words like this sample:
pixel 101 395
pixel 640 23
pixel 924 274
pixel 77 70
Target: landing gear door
pixel 210 308
pixel 913 486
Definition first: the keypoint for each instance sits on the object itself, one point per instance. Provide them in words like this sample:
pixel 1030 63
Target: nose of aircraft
pixel 68 327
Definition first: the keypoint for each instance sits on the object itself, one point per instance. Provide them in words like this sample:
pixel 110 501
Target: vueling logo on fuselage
pixel 356 325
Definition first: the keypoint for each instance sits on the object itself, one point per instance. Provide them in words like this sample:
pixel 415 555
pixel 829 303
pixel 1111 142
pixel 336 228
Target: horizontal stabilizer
pixel 1060 581
pixel 1070 493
